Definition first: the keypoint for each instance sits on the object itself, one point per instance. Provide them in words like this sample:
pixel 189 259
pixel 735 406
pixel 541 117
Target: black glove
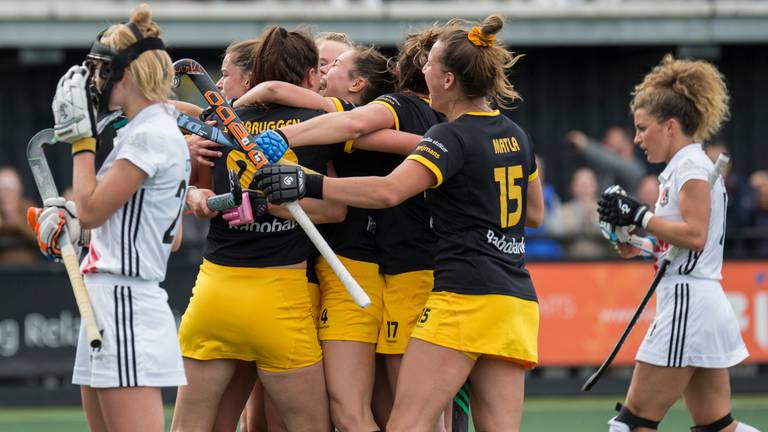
pixel 283 183
pixel 258 202
pixel 622 210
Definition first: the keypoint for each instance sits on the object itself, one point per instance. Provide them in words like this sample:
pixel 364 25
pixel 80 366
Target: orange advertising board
pixel 586 306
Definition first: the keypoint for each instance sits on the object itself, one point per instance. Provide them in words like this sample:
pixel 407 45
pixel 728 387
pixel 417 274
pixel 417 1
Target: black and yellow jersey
pixel 353 238
pixel 482 162
pixel 405 240
pixel 267 241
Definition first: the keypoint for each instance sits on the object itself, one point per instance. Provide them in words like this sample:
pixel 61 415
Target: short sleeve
pixel 691 169
pixel 440 151
pixel 139 149
pixel 341 106
pixel 391 102
pixel 534 168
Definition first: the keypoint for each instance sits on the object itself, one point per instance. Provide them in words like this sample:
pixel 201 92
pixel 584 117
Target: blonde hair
pixel 152 70
pixel 334 37
pixel 691 91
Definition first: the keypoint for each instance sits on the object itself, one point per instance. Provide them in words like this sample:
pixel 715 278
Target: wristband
pixel 646 219
pixel 84 145
pixel 314 187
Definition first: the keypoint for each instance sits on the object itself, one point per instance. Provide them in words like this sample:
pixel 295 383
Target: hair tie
pixel 477 38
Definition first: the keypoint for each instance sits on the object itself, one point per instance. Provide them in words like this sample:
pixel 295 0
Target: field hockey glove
pixel 73 112
pixel 282 183
pixel 622 210
pixel 273 144
pixel 254 204
pixel 615 234
pixel 48 222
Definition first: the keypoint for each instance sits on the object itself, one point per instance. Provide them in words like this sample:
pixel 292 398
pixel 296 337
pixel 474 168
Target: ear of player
pixel 73 112
pixel 622 210
pixel 282 183
pixel 48 222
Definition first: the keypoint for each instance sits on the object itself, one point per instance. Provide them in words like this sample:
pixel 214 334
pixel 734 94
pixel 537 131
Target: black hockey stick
pixel 671 254
pixel 244 142
pixel 41 172
pixel 460 412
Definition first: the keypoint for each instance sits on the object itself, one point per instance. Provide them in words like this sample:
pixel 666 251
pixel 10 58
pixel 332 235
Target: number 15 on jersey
pixel 510 194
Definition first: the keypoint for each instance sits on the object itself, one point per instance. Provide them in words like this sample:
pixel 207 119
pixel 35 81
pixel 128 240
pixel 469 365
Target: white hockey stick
pixel 47 188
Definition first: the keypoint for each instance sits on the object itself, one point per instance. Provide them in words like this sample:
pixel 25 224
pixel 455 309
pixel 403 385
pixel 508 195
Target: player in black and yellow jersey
pixel 404 238
pixel 481 319
pixel 348 334
pixel 250 305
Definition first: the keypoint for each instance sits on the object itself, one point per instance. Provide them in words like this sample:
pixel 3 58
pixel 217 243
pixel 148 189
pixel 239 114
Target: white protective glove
pixel 73 112
pixel 57 213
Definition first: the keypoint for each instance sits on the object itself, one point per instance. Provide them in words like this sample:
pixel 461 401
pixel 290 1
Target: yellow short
pixel 340 317
pixel 492 325
pixel 404 297
pixel 314 299
pixel 254 314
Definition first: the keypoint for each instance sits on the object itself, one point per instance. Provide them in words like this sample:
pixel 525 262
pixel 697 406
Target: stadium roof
pixel 73 24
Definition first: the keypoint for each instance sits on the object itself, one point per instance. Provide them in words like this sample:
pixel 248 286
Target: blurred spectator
pixel 17 241
pixel 613 158
pixel 538 245
pixel 577 220
pixel 648 190
pixel 759 220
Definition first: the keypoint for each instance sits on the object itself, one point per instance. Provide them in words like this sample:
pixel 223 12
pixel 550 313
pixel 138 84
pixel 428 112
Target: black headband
pixel 119 60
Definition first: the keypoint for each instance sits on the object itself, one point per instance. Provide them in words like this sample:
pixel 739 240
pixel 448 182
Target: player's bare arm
pixel 534 204
pixel 287 94
pixel 340 126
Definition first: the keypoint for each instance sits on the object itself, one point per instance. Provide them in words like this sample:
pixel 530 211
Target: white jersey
pixel 691 163
pixel 136 240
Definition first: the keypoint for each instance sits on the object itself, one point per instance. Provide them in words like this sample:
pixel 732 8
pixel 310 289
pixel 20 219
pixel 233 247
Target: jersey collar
pixel 676 159
pixel 483 113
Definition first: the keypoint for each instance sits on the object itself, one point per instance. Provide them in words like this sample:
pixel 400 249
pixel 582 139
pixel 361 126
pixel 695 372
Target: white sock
pixel 743 427
pixel 617 426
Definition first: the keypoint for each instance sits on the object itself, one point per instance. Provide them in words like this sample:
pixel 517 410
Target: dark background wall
pixel 563 88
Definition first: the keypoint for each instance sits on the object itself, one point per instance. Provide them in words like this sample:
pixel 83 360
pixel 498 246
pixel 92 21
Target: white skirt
pixel 694 326
pixel 140 345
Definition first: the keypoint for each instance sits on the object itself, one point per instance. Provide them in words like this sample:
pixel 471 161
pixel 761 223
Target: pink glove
pixel 240 215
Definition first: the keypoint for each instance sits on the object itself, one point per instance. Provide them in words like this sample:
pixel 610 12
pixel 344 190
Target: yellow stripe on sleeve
pixel 349 146
pixel 392 110
pixel 532 176
pixel 430 166
pixel 337 104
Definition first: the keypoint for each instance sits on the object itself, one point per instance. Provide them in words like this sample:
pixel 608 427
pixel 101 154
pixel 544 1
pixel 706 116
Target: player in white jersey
pixel 695 336
pixel 133 207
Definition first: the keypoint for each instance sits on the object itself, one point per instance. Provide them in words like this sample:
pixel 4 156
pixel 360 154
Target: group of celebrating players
pixel 421 187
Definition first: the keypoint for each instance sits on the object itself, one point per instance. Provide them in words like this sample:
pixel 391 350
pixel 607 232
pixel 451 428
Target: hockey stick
pixel 460 412
pixel 47 188
pixel 245 143
pixel 673 251
pixel 202 129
